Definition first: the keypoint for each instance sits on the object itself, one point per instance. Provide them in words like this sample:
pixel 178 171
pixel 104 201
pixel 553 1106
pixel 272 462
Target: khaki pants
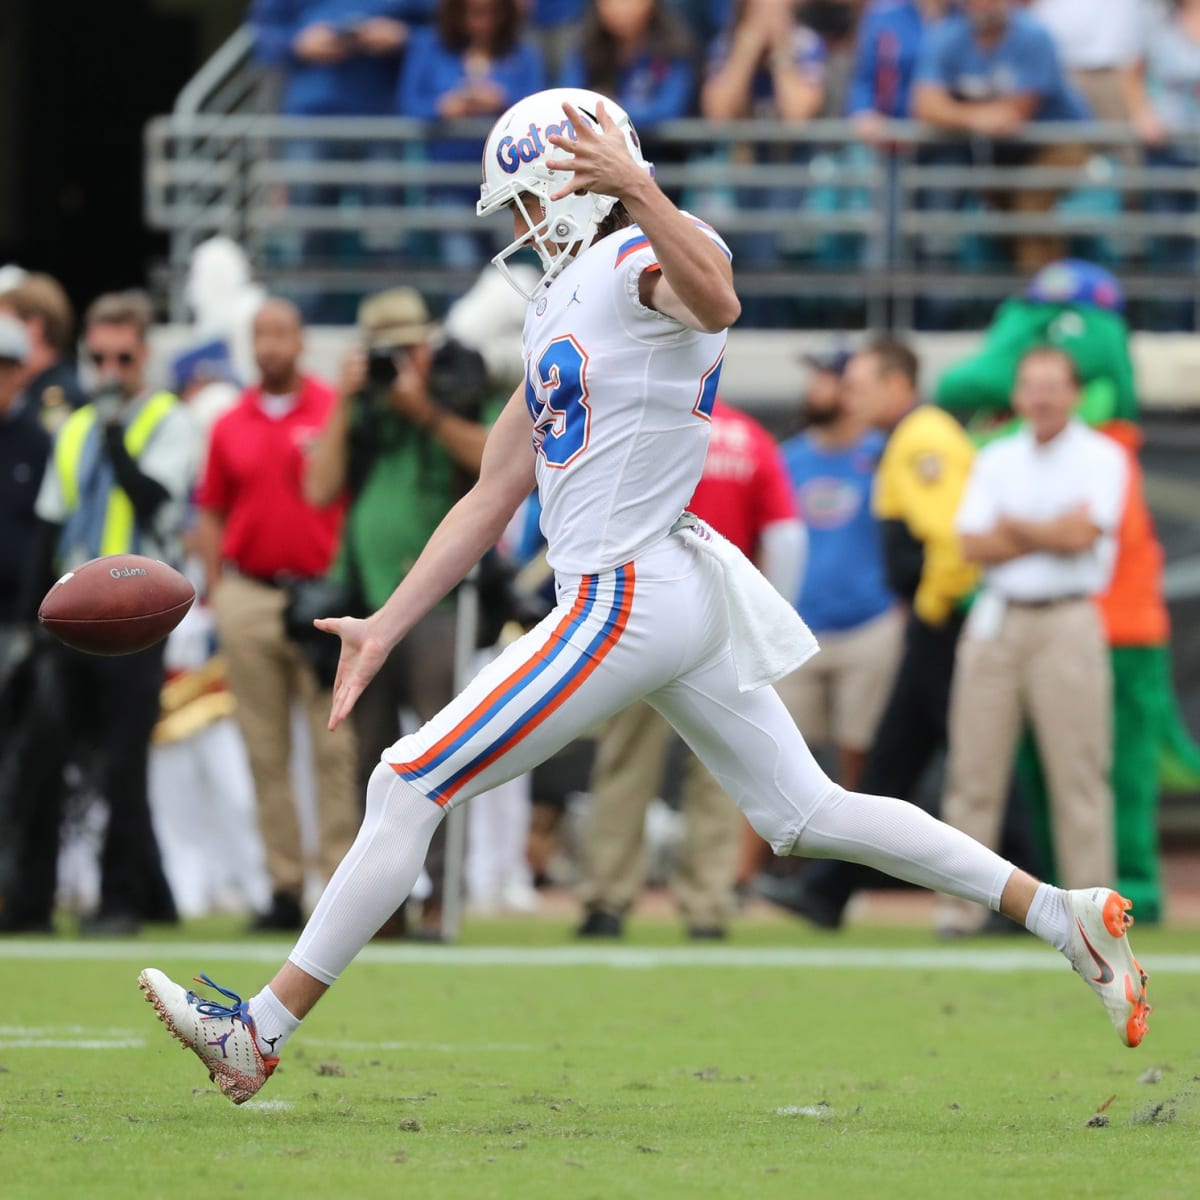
pixel 267 673
pixel 837 697
pixel 1050 666
pixel 1101 88
pixel 631 752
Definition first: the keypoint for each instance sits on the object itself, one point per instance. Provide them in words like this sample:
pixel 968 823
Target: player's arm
pixel 467 531
pixel 695 281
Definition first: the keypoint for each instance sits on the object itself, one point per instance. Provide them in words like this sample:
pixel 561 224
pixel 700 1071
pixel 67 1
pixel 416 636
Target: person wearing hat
pixel 402 443
pixel 263 543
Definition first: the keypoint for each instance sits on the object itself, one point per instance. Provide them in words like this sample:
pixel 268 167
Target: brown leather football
pixel 118 604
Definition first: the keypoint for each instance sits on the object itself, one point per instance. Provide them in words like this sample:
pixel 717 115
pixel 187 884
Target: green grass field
pixel 874 1064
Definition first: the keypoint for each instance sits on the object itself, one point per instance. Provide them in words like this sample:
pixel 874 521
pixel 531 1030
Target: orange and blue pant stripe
pixel 522 702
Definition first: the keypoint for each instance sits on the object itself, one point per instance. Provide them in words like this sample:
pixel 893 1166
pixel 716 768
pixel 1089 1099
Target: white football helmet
pixel 514 165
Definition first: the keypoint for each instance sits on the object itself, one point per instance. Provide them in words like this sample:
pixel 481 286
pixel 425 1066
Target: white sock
pixel 273 1024
pixel 374 878
pixel 1047 916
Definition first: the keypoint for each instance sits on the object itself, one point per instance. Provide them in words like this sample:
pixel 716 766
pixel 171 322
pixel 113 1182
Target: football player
pixel 623 344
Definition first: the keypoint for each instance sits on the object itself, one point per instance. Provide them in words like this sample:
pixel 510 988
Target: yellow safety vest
pixel 117 534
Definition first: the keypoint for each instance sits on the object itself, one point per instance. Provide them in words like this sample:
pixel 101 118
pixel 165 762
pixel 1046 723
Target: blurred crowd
pixel 977 560
pixel 999 62
pixel 981 71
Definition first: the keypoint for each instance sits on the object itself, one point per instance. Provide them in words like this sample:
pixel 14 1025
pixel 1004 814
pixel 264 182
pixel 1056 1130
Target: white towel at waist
pixel 768 637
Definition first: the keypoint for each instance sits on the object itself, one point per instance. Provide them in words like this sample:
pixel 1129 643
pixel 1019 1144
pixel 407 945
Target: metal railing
pixel 821 224
pixel 228 82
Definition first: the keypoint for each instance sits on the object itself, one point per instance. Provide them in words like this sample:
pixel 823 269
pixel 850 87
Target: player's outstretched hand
pixel 362 656
pixel 600 159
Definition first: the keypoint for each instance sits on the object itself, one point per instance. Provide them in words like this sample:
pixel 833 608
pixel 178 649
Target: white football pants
pixel 658 629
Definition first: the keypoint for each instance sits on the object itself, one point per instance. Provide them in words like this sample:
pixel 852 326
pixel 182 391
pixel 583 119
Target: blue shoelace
pixel 236 1011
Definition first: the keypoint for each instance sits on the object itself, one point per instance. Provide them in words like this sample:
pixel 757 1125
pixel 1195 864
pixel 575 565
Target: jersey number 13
pixel 556 393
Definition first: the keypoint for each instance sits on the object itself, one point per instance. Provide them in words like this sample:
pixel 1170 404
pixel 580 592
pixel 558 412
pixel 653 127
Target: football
pixel 118 604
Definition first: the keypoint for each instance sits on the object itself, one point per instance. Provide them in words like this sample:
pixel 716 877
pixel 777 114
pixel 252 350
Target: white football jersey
pixel 621 397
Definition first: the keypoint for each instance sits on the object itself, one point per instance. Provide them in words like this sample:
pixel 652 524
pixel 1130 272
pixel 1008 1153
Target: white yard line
pixel 198 955
pixel 80 1037
pixel 71 1043
pixel 33 1031
pixel 447 1047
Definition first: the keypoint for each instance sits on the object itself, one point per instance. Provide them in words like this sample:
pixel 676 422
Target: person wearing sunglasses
pixel 117 481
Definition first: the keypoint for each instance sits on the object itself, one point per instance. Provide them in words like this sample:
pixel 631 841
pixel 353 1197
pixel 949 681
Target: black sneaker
pixel 790 892
pixel 283 915
pixel 599 924
pixel 706 933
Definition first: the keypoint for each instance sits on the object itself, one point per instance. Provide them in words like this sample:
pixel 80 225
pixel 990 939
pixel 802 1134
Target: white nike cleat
pixel 221 1035
pixel 1100 952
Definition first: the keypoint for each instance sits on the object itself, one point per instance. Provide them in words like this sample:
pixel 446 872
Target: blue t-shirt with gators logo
pixel 844 584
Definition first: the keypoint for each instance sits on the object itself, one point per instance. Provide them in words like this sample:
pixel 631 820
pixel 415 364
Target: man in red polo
pixel 260 539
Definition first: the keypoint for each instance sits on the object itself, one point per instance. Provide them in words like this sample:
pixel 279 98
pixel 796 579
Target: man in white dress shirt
pixel 1039 515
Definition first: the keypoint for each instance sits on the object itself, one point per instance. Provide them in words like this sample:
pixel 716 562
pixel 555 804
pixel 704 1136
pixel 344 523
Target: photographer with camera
pixel 404 441
pixel 266 553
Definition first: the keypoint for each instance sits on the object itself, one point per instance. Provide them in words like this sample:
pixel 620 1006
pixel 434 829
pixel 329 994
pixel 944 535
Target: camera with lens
pixel 383 365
